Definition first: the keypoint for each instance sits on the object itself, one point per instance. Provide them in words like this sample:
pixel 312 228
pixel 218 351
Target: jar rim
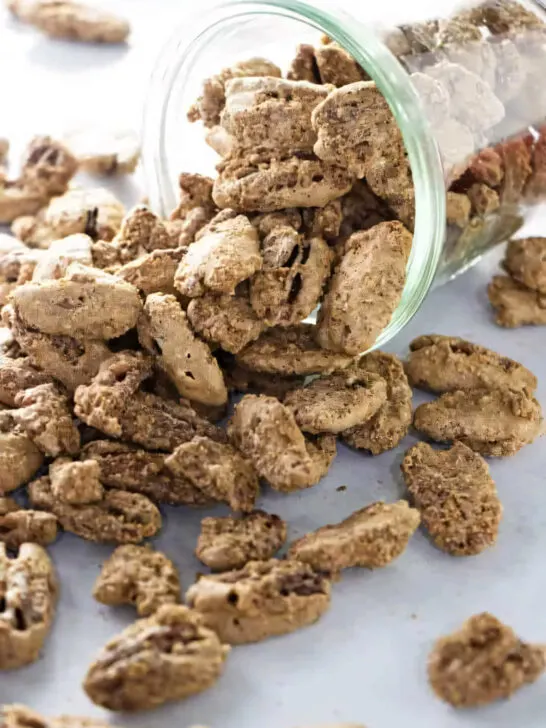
pixel 392 80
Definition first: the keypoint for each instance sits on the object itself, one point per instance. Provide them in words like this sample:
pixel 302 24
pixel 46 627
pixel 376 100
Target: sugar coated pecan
pixel 28 596
pixel 263 599
pixel 482 662
pixel 218 470
pixel 371 537
pixel 456 496
pixel 392 421
pixel 229 543
pixel 140 576
pixel 266 432
pixel 168 656
pixel 492 422
pixel 120 517
pixel 446 363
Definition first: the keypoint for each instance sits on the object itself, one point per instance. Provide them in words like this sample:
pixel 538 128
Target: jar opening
pixel 235 31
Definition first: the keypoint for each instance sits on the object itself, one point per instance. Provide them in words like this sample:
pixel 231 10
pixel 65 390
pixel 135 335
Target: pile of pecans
pixel 124 338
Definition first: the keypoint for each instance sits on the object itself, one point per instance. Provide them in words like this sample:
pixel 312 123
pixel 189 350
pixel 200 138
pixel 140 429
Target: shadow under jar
pixel 465 85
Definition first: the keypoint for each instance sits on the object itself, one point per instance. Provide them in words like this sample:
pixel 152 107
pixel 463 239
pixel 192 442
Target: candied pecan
pixel 216 222
pixel 271 113
pixel 113 404
pixel 209 106
pixel 185 359
pixel 229 543
pixel 455 495
pixel 128 468
pixel 241 379
pixel 16 201
pixel 153 272
pixel 168 656
pixel 101 404
pixel 492 422
pixel 535 188
pixel 304 65
pixel 504 16
pixel 220 259
pixel 141 232
pixel 228 321
pixel 19 716
pixel 354 125
pixel 338 401
pixel 258 183
pixel 290 285
pixel 17 266
pixel 72 20
pixel 421 37
pixel 458 208
pixel 104 151
pixel 76 483
pixel 218 470
pixel 193 224
pixel 96 212
pixel 54 261
pixel 371 537
pixel 446 363
pixel 195 194
pixel 291 351
pixel 28 596
pixel 19 526
pixel 324 222
pixel 516 159
pixel 19 456
pixel 336 66
pixel 390 179
pixel 391 423
pixel 17 375
pixel 266 432
pixel 263 599
pixel 482 662
pixel 487 167
pixel 483 199
pixel 266 222
pixel 45 415
pixel 48 167
pixel 365 289
pixel 137 575
pixel 86 303
pixel 69 361
pixel 515 304
pixel 119 517
pixel 525 260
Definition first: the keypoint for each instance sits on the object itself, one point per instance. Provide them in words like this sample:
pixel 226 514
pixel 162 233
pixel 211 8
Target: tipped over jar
pixel 336 134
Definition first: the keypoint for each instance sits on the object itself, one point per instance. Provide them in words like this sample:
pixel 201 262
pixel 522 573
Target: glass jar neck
pixel 375 58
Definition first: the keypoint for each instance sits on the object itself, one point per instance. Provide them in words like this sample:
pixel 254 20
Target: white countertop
pixel 365 660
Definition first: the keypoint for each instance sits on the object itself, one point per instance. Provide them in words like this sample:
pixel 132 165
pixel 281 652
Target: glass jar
pixel 464 85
